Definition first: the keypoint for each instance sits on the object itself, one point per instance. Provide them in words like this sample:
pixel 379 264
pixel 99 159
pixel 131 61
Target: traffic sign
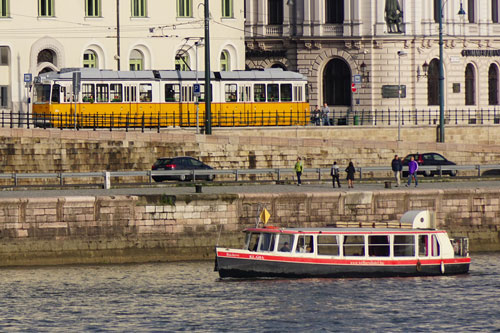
pixel 357 78
pixel 28 77
pixel 353 87
pixel 196 89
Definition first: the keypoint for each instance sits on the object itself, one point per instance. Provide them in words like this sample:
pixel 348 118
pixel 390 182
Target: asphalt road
pixel 217 188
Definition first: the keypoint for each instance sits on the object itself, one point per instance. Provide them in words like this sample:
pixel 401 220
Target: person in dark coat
pixel 335 172
pixel 397 167
pixel 350 174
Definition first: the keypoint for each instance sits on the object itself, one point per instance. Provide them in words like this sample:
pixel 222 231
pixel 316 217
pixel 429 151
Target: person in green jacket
pixel 298 170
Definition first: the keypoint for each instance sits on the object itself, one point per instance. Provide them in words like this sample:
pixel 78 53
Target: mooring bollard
pixel 198 188
pixel 387 184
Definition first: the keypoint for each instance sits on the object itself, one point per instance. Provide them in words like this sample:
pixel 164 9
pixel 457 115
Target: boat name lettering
pixel 256 257
pixel 367 262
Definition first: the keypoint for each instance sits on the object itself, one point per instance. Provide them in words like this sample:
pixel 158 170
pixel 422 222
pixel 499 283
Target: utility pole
pixel 117 34
pixel 208 92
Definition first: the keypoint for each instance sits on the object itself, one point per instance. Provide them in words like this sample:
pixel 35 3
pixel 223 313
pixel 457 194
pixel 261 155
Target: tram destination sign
pixel 391 91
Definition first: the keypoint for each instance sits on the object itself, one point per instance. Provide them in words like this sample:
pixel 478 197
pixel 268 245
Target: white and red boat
pixel 418 250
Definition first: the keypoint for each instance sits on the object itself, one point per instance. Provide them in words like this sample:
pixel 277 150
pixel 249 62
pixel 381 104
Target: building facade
pixel 371 46
pixel 45 35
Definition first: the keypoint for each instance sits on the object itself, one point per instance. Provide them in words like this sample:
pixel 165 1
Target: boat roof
pixel 336 230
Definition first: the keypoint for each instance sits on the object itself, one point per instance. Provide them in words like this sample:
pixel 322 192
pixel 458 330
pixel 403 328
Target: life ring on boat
pixel 442 267
pixel 271 227
pixel 419 266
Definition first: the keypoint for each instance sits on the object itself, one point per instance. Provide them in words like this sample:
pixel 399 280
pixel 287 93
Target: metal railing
pixel 235 118
pixel 108 179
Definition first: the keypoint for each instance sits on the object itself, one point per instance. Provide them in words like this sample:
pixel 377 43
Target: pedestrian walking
pixel 397 167
pixel 412 171
pixel 334 172
pixel 298 170
pixel 350 174
pixel 317 116
pixel 325 114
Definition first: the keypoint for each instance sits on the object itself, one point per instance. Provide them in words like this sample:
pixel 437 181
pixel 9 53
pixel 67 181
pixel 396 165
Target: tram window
pixel 145 92
pixel 378 245
pixel 259 92
pixel 286 92
pixel 305 244
pixel 297 92
pixel 354 245
pixel 245 94
pixel 187 93
pixel 423 245
pixel 55 93
pixel 88 93
pixel 328 245
pixel 202 93
pixel 42 93
pixel 116 92
pixel 404 246
pixel 273 92
pixel 435 251
pixel 130 94
pixel 102 93
pixel 267 242
pixel 172 92
pixel 231 92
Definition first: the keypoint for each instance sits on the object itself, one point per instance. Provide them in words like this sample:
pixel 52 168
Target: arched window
pixel 470 85
pixel 136 60
pixel 433 83
pixel 89 59
pixel 279 65
pixel 493 85
pixel 182 62
pixel 337 83
pixel 47 56
pixel 225 61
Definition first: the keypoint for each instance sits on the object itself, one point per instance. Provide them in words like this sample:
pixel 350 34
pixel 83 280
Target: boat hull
pixel 229 266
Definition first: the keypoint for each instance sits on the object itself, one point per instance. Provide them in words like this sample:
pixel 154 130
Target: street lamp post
pixel 208 93
pixel 461 12
pixel 400 54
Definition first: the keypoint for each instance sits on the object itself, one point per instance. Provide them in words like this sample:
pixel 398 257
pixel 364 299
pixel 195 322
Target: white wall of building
pixel 69 33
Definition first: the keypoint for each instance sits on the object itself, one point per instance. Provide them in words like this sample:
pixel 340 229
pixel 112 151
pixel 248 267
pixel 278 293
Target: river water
pixel 189 296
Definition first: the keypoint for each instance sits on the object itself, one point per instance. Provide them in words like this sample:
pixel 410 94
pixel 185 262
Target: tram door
pixel 245 103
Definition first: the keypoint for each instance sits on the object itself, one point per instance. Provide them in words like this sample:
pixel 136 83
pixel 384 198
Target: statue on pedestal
pixel 393 16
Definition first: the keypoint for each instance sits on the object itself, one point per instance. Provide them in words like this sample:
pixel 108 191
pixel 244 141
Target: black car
pixel 429 159
pixel 180 163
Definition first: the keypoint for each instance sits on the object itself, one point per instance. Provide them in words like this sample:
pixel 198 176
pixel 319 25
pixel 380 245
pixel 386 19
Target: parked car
pixel 180 163
pixel 429 159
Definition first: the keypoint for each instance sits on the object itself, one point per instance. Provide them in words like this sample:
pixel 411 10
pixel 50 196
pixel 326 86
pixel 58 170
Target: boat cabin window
pixel 285 243
pixel 328 245
pixel 378 245
pixel 267 242
pixel 354 245
pixel 252 241
pixel 305 244
pixel 404 245
pixel 435 248
pixel 422 246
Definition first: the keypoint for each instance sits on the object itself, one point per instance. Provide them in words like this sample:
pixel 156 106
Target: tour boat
pixel 419 250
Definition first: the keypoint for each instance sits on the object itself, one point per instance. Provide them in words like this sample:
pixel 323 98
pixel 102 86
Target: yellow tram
pixel 151 98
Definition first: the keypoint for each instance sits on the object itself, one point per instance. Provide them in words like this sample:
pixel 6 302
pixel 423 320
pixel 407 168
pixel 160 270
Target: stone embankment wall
pixel 37 150
pixel 126 229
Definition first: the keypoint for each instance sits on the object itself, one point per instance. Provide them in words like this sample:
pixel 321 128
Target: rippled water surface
pixel 190 297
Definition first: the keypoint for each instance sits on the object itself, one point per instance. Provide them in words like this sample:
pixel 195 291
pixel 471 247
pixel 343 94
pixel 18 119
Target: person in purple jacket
pixel 412 171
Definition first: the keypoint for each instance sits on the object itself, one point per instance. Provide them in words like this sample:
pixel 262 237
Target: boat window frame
pixel 352 245
pixel 397 247
pixel 281 242
pixel 328 245
pixel 302 248
pixel 375 249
